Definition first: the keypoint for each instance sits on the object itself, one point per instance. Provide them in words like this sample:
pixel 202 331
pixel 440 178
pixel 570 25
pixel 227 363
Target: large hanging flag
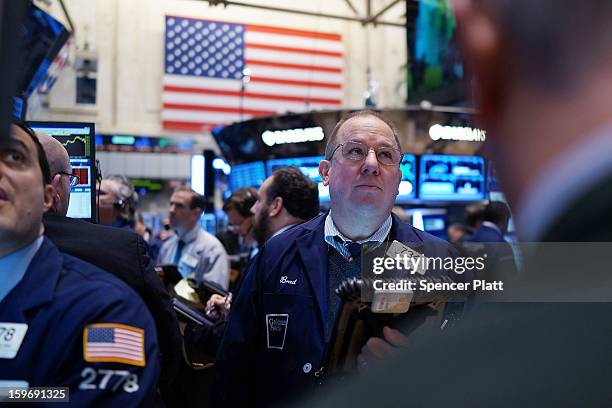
pixel 217 72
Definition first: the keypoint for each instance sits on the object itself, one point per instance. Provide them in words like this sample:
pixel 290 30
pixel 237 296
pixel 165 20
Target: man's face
pixel 107 199
pixel 362 185
pixel 23 197
pixel 182 217
pixel 261 216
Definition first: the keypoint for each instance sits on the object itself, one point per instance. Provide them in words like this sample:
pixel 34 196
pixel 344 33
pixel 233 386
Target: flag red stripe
pixel 187 126
pixel 296 83
pixel 294 66
pixel 217 109
pixel 168 88
pixel 293 49
pixel 294 32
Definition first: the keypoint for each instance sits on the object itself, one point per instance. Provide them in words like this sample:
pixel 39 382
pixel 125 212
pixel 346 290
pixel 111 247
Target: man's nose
pixel 370 164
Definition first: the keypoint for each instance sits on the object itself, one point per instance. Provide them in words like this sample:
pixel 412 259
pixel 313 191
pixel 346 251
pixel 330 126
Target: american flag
pixel 290 70
pixel 114 342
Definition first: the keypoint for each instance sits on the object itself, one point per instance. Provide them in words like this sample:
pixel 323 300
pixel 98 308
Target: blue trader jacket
pixel 274 343
pixel 84 329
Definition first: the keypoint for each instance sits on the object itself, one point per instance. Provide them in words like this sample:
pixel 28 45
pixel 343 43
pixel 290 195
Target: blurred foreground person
pixel 543 82
pixel 117 251
pixel 65 323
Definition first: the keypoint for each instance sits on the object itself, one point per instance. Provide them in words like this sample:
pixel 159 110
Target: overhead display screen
pixel 247 175
pixel 307 165
pixel 452 178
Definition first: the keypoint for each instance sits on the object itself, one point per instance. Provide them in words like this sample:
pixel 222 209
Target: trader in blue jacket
pixel 282 320
pixel 64 322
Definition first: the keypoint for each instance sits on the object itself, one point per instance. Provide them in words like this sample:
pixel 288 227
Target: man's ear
pixel 55 184
pixel 324 167
pixel 275 207
pixel 48 196
pixel 483 51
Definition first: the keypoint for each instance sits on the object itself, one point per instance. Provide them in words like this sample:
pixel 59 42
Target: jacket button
pixel 307 367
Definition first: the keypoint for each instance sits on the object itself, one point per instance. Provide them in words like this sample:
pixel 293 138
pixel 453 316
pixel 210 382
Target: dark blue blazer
pixel 287 280
pixel 58 296
pixel 500 263
pixel 487 234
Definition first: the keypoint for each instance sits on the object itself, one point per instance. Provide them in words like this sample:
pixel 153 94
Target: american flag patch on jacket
pixel 112 342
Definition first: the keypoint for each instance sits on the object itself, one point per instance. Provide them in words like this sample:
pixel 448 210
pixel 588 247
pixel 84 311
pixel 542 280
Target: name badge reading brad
pixel 276 325
pixel 11 336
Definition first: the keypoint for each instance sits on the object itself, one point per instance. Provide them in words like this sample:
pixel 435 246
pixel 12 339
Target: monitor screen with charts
pixel 79 141
pixel 452 178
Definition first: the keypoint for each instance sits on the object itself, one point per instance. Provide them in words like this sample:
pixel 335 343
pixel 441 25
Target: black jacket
pixel 125 255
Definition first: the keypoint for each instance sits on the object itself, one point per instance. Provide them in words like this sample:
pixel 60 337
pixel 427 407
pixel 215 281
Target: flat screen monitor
pixel 247 175
pixel 435 225
pixel 79 141
pixel 407 187
pixel 451 178
pixel 307 165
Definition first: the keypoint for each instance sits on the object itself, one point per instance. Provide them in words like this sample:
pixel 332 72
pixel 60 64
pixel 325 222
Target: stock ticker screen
pixel 307 165
pixel 452 178
pixel 407 187
pixel 247 175
pixel 78 139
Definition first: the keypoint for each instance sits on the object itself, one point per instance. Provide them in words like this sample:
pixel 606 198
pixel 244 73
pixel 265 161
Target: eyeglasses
pixel 354 151
pixel 74 180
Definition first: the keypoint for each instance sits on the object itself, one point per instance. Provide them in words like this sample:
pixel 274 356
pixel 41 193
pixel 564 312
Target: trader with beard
pixel 285 199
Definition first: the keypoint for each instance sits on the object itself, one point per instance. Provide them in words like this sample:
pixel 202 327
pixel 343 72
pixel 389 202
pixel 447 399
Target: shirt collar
pixel 14 266
pixel 190 235
pixel 280 231
pixel 332 231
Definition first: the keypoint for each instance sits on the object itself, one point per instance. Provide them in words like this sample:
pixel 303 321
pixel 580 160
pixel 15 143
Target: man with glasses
pixel 194 251
pixel 117 251
pixel 282 320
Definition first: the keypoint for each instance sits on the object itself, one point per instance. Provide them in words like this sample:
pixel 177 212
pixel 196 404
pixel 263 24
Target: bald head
pixel 59 165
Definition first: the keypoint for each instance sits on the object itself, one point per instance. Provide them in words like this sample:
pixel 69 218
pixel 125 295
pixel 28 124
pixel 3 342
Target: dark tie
pixel 352 247
pixel 179 250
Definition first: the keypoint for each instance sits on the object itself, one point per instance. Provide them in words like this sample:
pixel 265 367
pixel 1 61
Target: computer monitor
pixel 407 187
pixel 435 224
pixel 451 178
pixel 247 175
pixel 307 165
pixel 79 141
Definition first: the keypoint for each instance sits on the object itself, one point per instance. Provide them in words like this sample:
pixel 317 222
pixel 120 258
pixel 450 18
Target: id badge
pixel 276 325
pixel 11 337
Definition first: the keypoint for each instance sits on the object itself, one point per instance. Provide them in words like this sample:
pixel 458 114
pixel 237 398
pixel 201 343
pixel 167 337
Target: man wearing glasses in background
pixel 282 320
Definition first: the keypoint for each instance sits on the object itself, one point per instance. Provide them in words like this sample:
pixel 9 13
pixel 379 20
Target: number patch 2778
pixel 114 380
